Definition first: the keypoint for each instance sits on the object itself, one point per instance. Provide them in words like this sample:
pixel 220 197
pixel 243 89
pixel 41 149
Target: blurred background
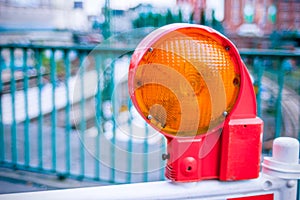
pixel 66 119
pixel 251 23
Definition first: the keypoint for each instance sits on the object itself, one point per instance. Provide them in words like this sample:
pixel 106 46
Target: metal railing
pixel 65 110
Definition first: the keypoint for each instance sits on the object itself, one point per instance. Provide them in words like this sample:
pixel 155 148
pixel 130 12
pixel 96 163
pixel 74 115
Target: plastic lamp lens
pixel 186 72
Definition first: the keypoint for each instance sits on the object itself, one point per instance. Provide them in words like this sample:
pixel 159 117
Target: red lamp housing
pixel 189 83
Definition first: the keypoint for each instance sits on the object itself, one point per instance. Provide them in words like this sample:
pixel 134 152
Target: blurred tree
pixel 169 17
pixel 179 16
pixel 107 14
pixel 202 18
pixel 191 20
pixel 161 20
pixel 156 19
pixel 216 24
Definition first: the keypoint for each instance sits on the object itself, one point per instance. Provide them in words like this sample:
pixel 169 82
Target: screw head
pixel 291 183
pixel 267 185
pixel 165 156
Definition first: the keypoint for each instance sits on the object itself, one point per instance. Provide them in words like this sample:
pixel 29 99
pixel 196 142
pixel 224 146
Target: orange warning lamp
pixel 189 83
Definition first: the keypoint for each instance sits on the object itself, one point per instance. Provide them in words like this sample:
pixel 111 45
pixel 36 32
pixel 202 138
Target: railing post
pixel 298 190
pixel 14 150
pixel 260 71
pixel 82 125
pixel 280 77
pixel 98 120
pixel 27 121
pixel 129 144
pixel 38 57
pixel 114 111
pixel 2 139
pixel 146 149
pixel 163 162
pixel 54 80
pixel 67 112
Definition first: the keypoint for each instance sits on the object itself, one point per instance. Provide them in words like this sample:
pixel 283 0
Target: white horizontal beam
pixel 208 190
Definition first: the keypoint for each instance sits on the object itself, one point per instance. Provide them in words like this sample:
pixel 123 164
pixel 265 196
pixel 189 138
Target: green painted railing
pixel 73 128
pixel 65 110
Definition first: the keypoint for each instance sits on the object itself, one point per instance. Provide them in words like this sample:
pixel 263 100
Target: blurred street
pixel 13 181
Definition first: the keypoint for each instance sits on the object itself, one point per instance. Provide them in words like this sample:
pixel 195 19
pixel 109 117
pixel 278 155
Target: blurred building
pixel 198 8
pixel 288 17
pixel 37 14
pixel 251 22
pixel 41 20
pixel 268 15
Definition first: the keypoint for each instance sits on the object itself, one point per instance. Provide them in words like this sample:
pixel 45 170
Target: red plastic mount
pixel 235 154
pixel 186 161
